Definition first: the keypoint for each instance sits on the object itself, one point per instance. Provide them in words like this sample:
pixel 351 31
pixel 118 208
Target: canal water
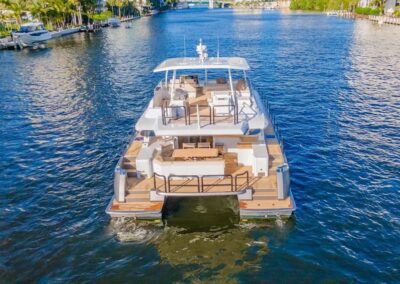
pixel 66 113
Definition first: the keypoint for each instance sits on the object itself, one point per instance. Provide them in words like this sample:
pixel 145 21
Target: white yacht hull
pixel 114 23
pixel 32 38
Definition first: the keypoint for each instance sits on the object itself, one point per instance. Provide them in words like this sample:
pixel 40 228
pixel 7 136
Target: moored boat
pixel 31 34
pixel 205 132
pixel 114 22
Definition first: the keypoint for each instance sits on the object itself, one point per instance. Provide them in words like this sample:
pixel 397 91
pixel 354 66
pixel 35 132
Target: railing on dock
pixel 385 19
pixel 173 183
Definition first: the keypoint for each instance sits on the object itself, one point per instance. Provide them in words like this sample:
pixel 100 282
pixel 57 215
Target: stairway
pixel 231 163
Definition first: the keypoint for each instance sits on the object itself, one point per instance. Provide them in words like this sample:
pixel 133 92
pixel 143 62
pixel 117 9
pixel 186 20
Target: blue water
pixel 66 113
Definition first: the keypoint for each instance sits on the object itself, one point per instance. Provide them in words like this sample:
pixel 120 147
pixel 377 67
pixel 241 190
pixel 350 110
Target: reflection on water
pixel 202 214
pixel 66 113
pixel 202 237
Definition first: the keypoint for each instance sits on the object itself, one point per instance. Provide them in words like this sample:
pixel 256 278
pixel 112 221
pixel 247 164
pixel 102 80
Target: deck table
pixel 195 153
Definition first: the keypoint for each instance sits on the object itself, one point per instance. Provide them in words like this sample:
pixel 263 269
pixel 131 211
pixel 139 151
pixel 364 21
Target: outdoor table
pixel 195 153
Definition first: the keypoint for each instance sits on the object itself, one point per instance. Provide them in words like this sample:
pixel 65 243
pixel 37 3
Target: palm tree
pixel 119 4
pixel 112 3
pixel 380 4
pixel 39 9
pixel 17 7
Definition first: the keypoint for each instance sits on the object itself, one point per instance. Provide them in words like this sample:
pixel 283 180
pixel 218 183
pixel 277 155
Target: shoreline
pixel 8 43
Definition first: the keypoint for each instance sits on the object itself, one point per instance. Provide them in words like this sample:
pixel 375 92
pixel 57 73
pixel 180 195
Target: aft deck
pixel 235 180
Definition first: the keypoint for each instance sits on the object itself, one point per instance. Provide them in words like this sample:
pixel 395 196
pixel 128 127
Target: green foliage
pixel 49 27
pixel 5 29
pixel 103 16
pixel 322 5
pixel 57 13
pixel 367 11
pixel 397 12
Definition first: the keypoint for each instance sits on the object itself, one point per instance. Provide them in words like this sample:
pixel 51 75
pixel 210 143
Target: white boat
pixel 182 5
pixel 205 132
pixel 153 11
pixel 332 13
pixel 114 22
pixel 31 34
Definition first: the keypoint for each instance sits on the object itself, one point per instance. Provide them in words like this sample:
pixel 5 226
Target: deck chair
pixel 203 145
pixel 188 145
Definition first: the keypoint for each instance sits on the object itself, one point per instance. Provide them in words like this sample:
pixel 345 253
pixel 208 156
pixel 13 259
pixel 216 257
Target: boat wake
pixel 130 230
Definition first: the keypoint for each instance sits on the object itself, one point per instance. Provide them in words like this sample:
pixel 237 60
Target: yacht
pixel 205 132
pixel 182 5
pixel 31 34
pixel 114 22
pixel 149 11
pixel 332 13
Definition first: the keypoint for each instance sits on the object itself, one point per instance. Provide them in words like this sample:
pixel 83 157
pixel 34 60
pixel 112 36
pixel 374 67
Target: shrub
pixel 103 16
pixel 367 11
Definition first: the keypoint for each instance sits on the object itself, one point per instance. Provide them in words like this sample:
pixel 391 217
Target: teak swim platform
pixel 204 133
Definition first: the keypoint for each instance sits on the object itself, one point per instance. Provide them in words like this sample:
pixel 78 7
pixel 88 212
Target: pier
pixel 385 20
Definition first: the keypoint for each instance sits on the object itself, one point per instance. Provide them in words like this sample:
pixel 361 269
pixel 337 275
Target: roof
pixel 187 63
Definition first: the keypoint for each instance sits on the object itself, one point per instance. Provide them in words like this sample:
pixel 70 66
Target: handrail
pixel 216 184
pixel 187 185
pixel 200 106
pixel 238 175
pixel 164 113
pixel 229 115
pixel 276 130
pixel 202 183
pixel 155 175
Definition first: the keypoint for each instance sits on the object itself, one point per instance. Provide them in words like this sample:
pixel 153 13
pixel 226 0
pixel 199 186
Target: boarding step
pixel 274 150
pixel 258 193
pixel 137 197
pixel 266 190
pixel 133 200
pixel 264 197
pixel 136 191
pixel 275 160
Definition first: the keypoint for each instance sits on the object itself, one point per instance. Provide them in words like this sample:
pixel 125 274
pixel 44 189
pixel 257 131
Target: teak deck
pixel 265 198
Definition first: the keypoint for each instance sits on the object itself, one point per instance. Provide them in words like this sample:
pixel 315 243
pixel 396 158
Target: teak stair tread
pixel 137 206
pixel 134 149
pixel 265 204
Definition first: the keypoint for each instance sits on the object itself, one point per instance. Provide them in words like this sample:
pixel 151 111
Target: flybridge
pixel 203 62
pixel 187 63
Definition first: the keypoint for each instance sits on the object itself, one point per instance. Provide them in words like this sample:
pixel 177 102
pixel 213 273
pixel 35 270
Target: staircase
pixel 231 163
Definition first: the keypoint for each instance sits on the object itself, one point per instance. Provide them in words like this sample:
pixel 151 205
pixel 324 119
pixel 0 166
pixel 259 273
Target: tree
pixel 380 4
pixel 17 7
pixel 119 4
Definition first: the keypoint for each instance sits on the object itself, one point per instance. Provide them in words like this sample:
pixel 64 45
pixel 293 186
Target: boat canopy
pixel 193 63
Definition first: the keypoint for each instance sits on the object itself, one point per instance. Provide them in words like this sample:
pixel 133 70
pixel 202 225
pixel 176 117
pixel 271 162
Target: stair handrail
pixel 247 179
pixel 155 175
